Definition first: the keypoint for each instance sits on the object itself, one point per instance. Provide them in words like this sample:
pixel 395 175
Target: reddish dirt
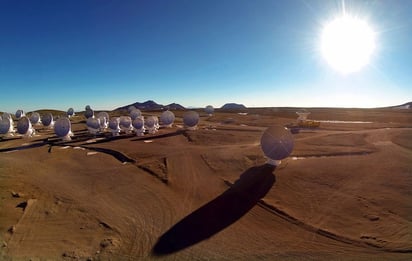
pixel 345 193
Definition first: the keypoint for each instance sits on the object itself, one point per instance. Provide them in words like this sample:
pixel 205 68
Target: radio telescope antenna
pixel 167 118
pixel 276 143
pixel 135 113
pixel 131 108
pixel 70 112
pixel 7 115
pixel 190 120
pixel 19 114
pixel 89 113
pixel 151 124
pixel 104 120
pixel 6 125
pixel 209 110
pixel 114 126
pixel 24 127
pixel 63 129
pixel 125 124
pixel 47 120
pixel 93 125
pixel 35 118
pixel 302 116
pixel 138 126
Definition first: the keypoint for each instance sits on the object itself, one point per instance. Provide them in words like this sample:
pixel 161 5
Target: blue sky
pixel 106 54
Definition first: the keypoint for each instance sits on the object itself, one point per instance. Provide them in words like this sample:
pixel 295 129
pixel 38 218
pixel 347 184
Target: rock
pixel 16 194
pixel 12 229
pixel 4 244
pixel 372 217
pixel 106 242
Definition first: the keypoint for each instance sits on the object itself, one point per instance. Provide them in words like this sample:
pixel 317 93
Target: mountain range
pixel 154 106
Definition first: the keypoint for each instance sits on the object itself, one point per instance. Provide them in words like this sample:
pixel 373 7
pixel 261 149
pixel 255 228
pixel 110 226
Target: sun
pixel 347 44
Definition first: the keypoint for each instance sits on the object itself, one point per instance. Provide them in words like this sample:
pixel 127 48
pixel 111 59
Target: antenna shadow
pixel 219 213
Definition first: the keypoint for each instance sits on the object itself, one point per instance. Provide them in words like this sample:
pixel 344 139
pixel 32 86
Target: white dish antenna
pixel 6 126
pixel 35 118
pixel 24 127
pixel 19 114
pixel 209 110
pixel 167 118
pixel 152 124
pixel 125 124
pixel 114 126
pixel 70 112
pixel 302 116
pixel 276 143
pixel 104 119
pixel 93 125
pixel 7 115
pixel 131 108
pixel 47 120
pixel 190 120
pixel 63 128
pixel 89 113
pixel 134 114
pixel 138 126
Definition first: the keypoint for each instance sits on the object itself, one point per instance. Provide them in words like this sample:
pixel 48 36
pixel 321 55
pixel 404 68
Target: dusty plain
pixel 345 192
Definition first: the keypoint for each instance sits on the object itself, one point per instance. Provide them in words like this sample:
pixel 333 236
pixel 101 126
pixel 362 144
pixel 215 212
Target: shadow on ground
pixel 219 213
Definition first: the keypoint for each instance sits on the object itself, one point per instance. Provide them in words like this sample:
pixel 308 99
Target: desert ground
pixel 345 192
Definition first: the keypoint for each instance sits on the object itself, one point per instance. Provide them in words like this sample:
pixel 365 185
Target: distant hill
pixel 152 106
pixel 407 105
pixel 233 106
pixel 175 107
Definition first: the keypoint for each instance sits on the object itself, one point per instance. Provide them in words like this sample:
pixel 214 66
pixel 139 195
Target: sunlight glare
pixel 347 44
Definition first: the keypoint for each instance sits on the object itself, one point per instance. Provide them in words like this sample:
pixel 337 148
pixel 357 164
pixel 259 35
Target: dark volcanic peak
pixel 152 106
pixel 175 107
pixel 233 106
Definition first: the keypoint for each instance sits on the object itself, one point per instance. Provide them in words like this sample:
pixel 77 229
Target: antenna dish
pixel 6 126
pixel 302 115
pixel 167 118
pixel 70 112
pixel 131 108
pixel 135 114
pixel 276 143
pixel 152 124
pixel 191 119
pixel 125 124
pixel 62 128
pixel 24 127
pixel 138 125
pixel 47 120
pixel 35 118
pixel 89 113
pixel 7 115
pixel 114 126
pixel 209 110
pixel 93 125
pixel 103 114
pixel 104 119
pixel 19 114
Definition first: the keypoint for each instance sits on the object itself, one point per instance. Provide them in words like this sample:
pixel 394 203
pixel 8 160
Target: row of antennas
pixel 135 122
pixel 276 142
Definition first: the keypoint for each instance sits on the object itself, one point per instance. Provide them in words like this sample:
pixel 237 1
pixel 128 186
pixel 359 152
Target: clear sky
pixel 106 54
